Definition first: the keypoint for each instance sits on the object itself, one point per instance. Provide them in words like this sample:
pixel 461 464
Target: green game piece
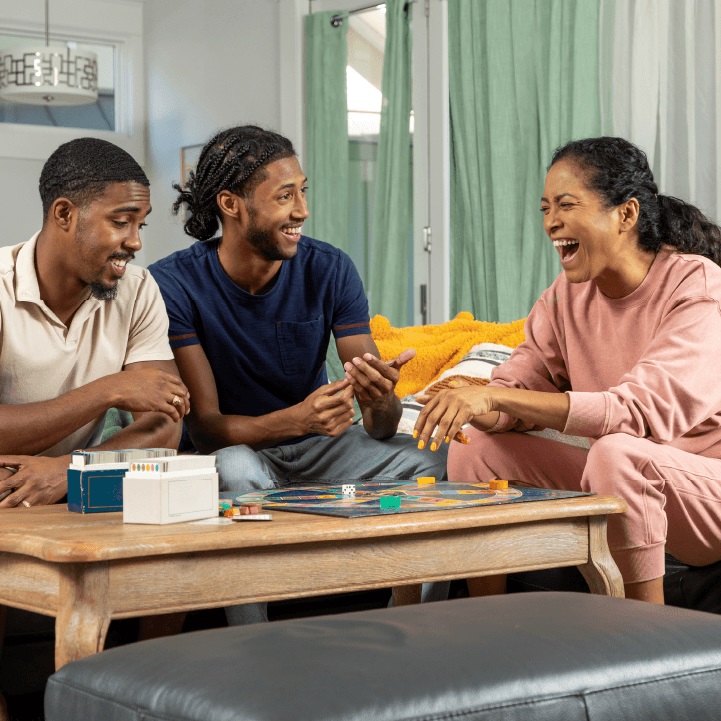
pixel 390 502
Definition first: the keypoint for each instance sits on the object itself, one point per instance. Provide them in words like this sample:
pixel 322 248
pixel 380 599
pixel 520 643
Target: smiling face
pixel 593 242
pixel 107 236
pixel 277 210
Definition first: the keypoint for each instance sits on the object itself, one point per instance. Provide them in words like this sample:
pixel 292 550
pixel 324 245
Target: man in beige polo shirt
pixel 80 330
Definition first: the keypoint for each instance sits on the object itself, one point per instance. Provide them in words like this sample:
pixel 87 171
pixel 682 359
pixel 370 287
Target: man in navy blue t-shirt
pixel 251 314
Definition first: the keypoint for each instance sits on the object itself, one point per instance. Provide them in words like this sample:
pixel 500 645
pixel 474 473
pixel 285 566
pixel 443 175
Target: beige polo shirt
pixel 42 358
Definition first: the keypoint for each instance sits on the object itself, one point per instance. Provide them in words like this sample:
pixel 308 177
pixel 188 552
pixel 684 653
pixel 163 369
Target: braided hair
pixel 617 171
pixel 81 169
pixel 232 160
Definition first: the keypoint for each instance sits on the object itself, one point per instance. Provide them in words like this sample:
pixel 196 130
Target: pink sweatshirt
pixel 645 365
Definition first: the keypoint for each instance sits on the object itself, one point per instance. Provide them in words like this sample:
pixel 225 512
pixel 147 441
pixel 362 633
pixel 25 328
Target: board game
pixel 375 498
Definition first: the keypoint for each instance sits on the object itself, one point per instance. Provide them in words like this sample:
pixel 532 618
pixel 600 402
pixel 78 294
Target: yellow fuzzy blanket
pixel 438 347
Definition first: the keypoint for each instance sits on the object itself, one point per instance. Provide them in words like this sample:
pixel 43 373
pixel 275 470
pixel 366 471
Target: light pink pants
pixel 674 497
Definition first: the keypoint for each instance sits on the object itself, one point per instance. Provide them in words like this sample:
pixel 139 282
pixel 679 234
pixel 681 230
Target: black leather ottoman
pixel 550 656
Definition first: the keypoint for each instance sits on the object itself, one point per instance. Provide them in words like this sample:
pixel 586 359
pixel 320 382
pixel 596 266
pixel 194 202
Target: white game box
pixel 170 490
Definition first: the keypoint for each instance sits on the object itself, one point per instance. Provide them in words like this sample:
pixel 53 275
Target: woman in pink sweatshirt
pixel 624 349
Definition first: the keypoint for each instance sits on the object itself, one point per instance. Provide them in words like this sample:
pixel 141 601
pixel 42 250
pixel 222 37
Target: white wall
pixel 209 64
pixel 20 207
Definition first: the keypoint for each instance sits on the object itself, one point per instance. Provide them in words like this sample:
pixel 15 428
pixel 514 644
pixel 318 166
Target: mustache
pixel 122 256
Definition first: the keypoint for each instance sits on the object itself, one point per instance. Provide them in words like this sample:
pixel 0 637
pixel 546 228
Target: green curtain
pixel 326 159
pixel 524 79
pixel 393 204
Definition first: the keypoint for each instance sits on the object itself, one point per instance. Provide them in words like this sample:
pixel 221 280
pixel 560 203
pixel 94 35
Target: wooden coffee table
pixel 88 569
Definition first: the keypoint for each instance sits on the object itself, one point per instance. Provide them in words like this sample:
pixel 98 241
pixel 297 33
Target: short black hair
pixel 617 170
pixel 81 169
pixel 234 160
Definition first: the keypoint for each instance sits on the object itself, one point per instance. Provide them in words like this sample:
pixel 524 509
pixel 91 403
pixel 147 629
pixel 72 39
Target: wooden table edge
pixel 290 528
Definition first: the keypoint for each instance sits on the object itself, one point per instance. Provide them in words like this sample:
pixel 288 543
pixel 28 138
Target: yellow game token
pixel 425 480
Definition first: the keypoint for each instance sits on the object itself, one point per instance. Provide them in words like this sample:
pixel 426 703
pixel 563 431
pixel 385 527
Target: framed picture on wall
pixel 189 156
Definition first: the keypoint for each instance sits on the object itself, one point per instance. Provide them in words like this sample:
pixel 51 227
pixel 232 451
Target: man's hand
pixel 38 480
pixel 446 412
pixel 374 380
pixel 5 473
pixel 150 389
pixel 328 411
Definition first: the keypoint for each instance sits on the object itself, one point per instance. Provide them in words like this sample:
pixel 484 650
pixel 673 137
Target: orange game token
pixel 249 508
pixel 498 484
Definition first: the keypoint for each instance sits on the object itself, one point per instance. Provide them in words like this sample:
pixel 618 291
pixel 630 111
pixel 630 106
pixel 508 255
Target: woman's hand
pixel 443 385
pixel 447 411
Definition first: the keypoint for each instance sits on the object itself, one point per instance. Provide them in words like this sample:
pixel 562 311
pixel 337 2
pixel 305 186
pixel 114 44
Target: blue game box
pixel 95 478
pixel 95 491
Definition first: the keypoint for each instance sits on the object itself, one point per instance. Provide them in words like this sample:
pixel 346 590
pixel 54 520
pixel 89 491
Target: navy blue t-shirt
pixel 267 352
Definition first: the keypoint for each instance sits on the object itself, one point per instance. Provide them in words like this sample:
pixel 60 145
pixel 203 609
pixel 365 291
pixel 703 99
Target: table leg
pixel 406 595
pixel 601 572
pixel 84 613
pixel 3 706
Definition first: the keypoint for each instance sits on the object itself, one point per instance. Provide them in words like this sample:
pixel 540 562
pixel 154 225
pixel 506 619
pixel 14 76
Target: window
pixel 366 44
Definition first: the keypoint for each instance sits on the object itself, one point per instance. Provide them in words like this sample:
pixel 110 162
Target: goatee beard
pixel 100 291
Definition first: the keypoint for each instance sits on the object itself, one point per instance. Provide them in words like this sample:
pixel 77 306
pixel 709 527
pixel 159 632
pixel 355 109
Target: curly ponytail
pixel 685 227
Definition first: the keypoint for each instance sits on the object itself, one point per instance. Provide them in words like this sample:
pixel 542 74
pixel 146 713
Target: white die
pixel 348 489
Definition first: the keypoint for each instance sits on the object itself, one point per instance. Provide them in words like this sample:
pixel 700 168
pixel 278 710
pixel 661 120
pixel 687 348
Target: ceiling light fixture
pixel 49 75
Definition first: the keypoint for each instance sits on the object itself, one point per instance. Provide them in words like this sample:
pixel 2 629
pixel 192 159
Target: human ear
pixel 229 204
pixel 629 214
pixel 63 213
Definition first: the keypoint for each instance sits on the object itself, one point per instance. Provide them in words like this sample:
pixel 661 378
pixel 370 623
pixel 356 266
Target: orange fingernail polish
pixel 415 434
pixel 447 439
pixel 421 445
pixel 434 447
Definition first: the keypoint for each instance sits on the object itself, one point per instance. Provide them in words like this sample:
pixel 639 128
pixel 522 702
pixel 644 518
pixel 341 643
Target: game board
pixel 328 500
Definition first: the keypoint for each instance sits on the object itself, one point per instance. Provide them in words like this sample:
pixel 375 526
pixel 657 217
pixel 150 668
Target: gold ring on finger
pixel 177 401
